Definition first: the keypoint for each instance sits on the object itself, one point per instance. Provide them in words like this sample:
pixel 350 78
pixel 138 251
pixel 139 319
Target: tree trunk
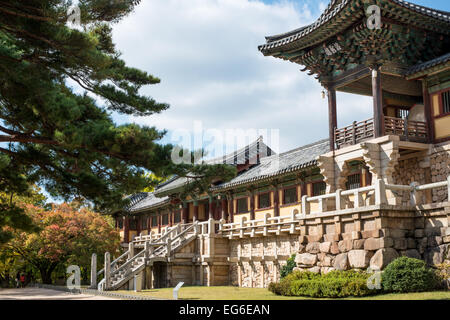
pixel 46 274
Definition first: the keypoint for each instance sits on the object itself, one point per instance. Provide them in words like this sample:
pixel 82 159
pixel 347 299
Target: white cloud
pixel 205 52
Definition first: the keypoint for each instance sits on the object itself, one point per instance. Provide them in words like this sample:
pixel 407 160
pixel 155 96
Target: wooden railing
pixel 411 130
pixel 355 133
pixel 333 202
pixel 364 130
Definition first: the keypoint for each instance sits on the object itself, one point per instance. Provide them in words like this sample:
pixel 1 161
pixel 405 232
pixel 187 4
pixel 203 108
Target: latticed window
pixel 242 205
pixel 144 223
pixel 446 102
pixel 319 188
pixel 154 220
pixel 177 217
pixel 133 224
pixel 165 219
pixel 264 200
pixel 290 195
pixel 353 181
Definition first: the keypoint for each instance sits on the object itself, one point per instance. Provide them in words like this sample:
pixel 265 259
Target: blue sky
pixel 205 52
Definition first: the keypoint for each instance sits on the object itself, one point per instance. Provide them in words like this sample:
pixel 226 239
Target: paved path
pixel 45 294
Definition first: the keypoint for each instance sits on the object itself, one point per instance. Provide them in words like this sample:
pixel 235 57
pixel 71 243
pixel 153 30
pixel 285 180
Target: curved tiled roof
pixel 283 163
pixel 147 200
pixel 428 65
pixel 332 10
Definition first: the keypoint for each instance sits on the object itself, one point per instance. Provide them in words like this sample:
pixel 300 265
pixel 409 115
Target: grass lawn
pixel 235 293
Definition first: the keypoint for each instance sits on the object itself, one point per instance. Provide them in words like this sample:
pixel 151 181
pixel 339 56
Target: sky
pixel 212 74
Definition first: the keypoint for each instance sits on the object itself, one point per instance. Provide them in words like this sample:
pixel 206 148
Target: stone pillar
pixel 332 116
pixel 130 250
pixel 94 271
pixel 377 93
pixel 107 270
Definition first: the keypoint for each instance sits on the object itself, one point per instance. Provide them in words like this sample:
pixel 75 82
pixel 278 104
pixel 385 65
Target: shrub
pixel 289 267
pixel 335 284
pixel 408 275
pixel 443 273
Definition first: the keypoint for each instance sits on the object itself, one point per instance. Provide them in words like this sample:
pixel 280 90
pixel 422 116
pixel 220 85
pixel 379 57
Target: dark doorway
pixel 160 274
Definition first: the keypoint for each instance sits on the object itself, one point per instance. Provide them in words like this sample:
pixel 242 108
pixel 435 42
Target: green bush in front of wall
pixel 408 275
pixel 289 267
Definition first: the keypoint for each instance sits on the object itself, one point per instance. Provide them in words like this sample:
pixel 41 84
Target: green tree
pixel 52 134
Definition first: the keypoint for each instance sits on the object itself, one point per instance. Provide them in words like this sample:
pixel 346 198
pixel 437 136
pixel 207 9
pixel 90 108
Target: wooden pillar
pixel 428 112
pixel 332 117
pixel 252 204
pixel 230 208
pixel 138 225
pixel 276 201
pixel 159 217
pixel 185 218
pixel 149 224
pixel 377 92
pixel 224 208
pixel 126 230
pixel 195 210
pixel 210 213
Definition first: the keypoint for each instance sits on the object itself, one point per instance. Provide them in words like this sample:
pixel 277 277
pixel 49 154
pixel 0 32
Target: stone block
pixel 306 259
pixel 332 237
pixel 371 234
pixel 419 233
pixel 378 243
pixel 314 238
pixel 302 240
pixel 341 262
pixel 347 236
pixel 345 245
pixel 326 261
pixel 393 233
pixel 334 248
pixel 359 258
pixel 325 247
pixel 436 255
pixel 433 231
pixel 313 247
pixel 400 244
pixel 358 244
pixel 382 258
pixel 434 241
pixel 411 243
pixel 446 239
pixel 314 269
pixel 301 248
pixel 325 270
pixel 356 235
pixel 411 253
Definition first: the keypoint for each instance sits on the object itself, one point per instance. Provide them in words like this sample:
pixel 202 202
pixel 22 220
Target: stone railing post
pixel 413 194
pixel 380 192
pixel 292 228
pixel 338 200
pixel 168 246
pixel 448 188
pixel 266 222
pixel 211 226
pixel 305 205
pixel 146 250
pixel 323 205
pixel 94 271
pixel 357 201
pixel 241 232
pixel 107 272
pixel 130 250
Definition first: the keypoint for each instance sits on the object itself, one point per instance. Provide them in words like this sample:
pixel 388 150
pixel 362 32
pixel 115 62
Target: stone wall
pixel 366 239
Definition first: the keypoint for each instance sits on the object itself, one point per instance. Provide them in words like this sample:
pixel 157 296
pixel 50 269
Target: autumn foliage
pixel 68 235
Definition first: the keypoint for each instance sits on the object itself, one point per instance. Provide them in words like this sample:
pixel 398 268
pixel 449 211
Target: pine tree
pixel 66 141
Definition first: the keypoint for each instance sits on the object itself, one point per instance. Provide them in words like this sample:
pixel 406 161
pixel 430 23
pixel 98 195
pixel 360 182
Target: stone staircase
pixel 158 250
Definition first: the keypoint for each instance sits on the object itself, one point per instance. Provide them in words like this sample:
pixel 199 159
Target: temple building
pixel 373 190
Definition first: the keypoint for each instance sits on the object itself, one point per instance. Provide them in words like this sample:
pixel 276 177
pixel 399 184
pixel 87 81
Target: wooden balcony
pixel 415 131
